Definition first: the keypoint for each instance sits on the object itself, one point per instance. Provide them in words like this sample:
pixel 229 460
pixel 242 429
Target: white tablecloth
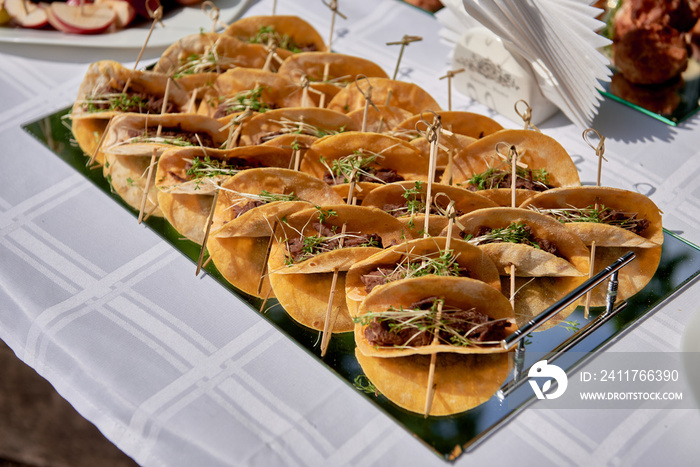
pixel 176 372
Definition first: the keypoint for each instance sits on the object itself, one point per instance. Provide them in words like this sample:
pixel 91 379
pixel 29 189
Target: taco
pixel 290 34
pixel 140 135
pixel 405 95
pixel 197 171
pixel 328 72
pixel 241 261
pixel 375 159
pixel 462 382
pixel 458 122
pixel 485 165
pixel 309 121
pixel 448 147
pixel 186 213
pixel 622 219
pixel 406 201
pixel 101 96
pixel 431 314
pixel 417 258
pixel 252 201
pixel 127 177
pixel 208 53
pixel 380 118
pixel 536 244
pixel 323 239
pixel 239 89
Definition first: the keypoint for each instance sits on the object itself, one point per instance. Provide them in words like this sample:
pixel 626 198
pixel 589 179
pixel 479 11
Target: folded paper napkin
pixel 557 39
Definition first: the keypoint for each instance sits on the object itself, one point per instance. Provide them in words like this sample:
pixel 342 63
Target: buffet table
pixel 176 371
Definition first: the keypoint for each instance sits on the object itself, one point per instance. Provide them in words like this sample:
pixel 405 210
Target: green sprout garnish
pixel 248 99
pixel 571 326
pixel 201 169
pixel 362 383
pixel 600 215
pixel 118 102
pixel 494 176
pixel 515 233
pixel 443 323
pixel 267 33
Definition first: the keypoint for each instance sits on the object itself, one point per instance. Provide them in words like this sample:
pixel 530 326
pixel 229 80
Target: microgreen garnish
pixel 248 99
pixel 359 162
pixel 452 326
pixel 601 215
pixel 493 177
pixel 207 167
pixel 362 383
pixel 283 41
pixel 113 101
pixel 571 326
pixel 515 233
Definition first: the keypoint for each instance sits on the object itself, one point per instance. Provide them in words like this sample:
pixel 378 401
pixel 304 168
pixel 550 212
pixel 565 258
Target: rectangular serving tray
pixel 451 436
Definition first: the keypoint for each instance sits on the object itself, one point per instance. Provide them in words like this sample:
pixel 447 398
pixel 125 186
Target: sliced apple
pixel 88 19
pixel 123 9
pixel 26 14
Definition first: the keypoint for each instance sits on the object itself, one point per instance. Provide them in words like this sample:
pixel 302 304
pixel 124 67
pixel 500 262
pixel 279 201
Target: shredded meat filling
pixel 381 174
pixel 504 180
pixel 301 248
pixel 130 101
pixel 473 325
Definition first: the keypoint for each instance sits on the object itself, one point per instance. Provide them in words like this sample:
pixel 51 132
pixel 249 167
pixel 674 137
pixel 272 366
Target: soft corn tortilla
pixel 229 51
pixel 328 72
pixel 273 123
pixel 305 298
pixel 127 176
pixel 277 91
pixel 528 260
pixel 462 382
pixel 393 154
pixel 458 292
pixel 405 95
pixel 123 128
pixel 258 222
pixel 301 32
pixel 241 260
pixel 392 194
pixel 357 219
pixel 87 127
pixel 174 164
pixel 468 257
pixel 617 199
pixel 380 118
pixel 187 214
pixel 536 150
pixel 458 122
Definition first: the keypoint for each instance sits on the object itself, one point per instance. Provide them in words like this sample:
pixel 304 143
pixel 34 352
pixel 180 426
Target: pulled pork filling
pixel 514 233
pixel 172 134
pixel 239 210
pixel 303 248
pixel 380 175
pixel 525 179
pixel 384 275
pixel 418 325
pixel 112 98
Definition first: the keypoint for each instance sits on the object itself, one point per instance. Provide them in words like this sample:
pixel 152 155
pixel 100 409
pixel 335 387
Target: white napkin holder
pixel 497 78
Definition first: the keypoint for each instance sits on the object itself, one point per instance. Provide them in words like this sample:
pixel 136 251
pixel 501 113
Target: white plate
pixel 178 23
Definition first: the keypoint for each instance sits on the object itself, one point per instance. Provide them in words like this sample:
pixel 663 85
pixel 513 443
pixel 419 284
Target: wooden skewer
pixel 367 94
pixel 599 150
pixel 450 74
pixel 513 192
pixel 210 217
pixel 327 327
pixel 430 392
pixel 433 136
pixel 333 5
pixel 267 256
pixel 526 115
pixel 151 166
pixel 274 7
pixel 403 43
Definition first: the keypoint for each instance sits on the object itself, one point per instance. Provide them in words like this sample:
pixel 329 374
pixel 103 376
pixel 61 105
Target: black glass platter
pixel 449 436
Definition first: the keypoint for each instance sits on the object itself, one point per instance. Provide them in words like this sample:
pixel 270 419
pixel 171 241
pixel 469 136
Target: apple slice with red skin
pixel 26 14
pixel 88 19
pixel 124 10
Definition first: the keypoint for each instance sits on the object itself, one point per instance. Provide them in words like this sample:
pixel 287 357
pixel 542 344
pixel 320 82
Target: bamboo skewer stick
pixel 513 204
pixel 210 217
pixel 403 43
pixel 152 164
pixel 433 136
pixel 599 150
pixel 267 256
pixel 450 74
pixel 526 115
pixel 333 5
pixel 430 394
